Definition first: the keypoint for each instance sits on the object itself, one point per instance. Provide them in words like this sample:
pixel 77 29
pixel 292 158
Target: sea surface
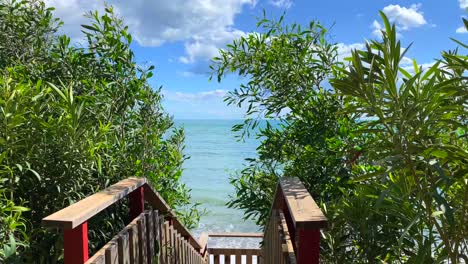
pixel 215 154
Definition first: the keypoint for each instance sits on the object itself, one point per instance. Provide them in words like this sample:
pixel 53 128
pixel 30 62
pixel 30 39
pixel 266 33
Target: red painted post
pixel 137 202
pixel 308 246
pixel 75 244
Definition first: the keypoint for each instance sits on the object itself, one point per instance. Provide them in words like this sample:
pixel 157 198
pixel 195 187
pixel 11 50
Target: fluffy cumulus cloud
pixel 463 3
pixel 404 17
pixel 281 3
pixel 461 30
pixel 217 94
pixel 204 25
pixel 72 12
pixel 344 50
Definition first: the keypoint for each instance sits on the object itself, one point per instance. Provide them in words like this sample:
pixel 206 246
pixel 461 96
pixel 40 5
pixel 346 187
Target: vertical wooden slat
pixel 248 258
pixel 216 259
pixel 238 258
pixel 133 242
pixel 157 237
pixel 112 253
pixel 123 247
pixel 183 252
pixel 149 236
pixel 227 259
pixel 162 239
pixel 171 250
pixel 166 242
pixel 178 248
pixel 142 238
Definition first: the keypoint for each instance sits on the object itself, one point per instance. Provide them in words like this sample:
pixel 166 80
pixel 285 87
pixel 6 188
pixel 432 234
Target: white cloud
pixel 461 30
pixel 282 3
pixel 463 3
pixel 204 25
pixel 344 50
pixel 404 17
pixel 208 47
pixel 217 94
pixel 376 29
pixel 72 12
pixel 422 67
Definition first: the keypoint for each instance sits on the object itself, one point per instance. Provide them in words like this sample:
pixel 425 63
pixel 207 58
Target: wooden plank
pixel 123 247
pixel 203 239
pixel 238 259
pixel 141 224
pixel 254 235
pixel 167 241
pixel 288 250
pixel 216 259
pixel 112 254
pixel 248 258
pixel 305 213
pixel 150 236
pixel 170 250
pixel 178 248
pixel 158 203
pixel 162 240
pixel 79 212
pixel 97 259
pixel 227 259
pixel 133 242
pixel 235 251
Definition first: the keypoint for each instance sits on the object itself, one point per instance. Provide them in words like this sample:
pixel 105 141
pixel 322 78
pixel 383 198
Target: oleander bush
pixel 382 149
pixel 75 118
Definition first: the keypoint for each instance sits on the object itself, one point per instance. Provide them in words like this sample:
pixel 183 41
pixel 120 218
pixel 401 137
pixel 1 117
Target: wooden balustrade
pixel 153 234
pixel 156 236
pixel 293 232
pixel 235 255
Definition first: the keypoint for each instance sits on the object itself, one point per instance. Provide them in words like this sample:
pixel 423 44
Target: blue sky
pixel 180 36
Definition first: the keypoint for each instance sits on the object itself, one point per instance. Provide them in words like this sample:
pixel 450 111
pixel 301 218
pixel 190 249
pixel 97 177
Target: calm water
pixel 214 155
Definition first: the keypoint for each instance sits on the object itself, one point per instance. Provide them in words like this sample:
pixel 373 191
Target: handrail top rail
pixel 236 235
pixel 81 211
pixel 304 212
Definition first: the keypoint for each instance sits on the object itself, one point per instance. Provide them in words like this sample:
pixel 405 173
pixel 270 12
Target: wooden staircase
pixel 156 235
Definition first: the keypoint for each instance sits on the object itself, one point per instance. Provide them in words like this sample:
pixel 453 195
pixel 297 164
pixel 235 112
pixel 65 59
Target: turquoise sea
pixel 214 155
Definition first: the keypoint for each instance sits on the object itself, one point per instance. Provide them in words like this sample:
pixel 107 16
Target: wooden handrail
pixel 293 232
pixel 304 212
pixel 247 235
pixel 73 219
pixel 81 211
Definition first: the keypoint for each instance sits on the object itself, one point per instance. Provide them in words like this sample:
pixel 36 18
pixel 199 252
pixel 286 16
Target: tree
pixel 382 150
pixel 76 119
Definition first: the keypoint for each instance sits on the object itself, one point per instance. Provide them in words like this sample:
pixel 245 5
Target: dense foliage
pixel 383 150
pixel 75 118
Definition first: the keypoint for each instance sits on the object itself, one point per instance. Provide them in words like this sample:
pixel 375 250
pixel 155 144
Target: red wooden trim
pixel 137 202
pixel 308 246
pixel 75 244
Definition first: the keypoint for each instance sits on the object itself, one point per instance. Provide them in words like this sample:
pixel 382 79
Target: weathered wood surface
pixel 304 212
pixel 158 203
pixel 80 212
pixel 248 235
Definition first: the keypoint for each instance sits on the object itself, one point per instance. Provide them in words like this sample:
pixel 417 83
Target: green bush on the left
pixel 75 118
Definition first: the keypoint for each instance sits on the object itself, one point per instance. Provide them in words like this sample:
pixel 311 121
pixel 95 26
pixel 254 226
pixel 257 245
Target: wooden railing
pixel 153 236
pixel 156 236
pixel 234 255
pixel 293 232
